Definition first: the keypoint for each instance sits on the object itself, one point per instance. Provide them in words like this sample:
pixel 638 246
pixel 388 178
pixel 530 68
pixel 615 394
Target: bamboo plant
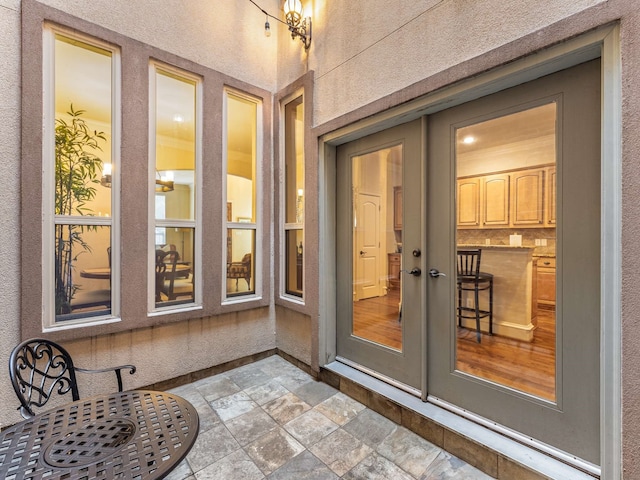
pixel 78 169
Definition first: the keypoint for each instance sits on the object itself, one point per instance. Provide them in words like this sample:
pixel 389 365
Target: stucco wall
pixel 9 194
pixel 294 334
pixel 362 52
pixel 223 39
pixel 224 35
pixel 366 50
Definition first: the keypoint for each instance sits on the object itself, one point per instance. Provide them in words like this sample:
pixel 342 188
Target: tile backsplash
pixel 501 237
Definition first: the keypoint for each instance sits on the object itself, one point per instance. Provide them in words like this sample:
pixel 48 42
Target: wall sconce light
pixel 298 26
pixel 293 13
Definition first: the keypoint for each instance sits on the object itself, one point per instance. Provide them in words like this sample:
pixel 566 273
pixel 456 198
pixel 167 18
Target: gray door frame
pixel 604 43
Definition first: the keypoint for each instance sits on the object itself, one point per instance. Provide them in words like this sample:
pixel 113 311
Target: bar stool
pixel 471 279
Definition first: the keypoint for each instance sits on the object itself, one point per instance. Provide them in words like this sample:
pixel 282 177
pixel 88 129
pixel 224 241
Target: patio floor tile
pixel 270 420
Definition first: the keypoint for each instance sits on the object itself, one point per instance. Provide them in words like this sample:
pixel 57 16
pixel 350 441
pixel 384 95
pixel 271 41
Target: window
pixel 242 214
pixel 80 146
pixel 174 264
pixel 294 197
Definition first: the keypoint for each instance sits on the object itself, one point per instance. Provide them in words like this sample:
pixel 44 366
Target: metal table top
pixel 137 434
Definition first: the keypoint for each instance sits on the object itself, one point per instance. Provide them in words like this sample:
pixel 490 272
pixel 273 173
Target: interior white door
pixel 367 251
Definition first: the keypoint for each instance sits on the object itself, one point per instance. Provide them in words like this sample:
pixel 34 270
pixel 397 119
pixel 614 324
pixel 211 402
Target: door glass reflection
pixel 377 246
pixel 506 250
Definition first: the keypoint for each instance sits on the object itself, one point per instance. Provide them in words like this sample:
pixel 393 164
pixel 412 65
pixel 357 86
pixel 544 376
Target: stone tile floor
pixel 271 420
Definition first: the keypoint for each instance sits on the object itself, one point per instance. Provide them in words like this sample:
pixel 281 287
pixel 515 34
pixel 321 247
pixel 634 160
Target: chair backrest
pixel 469 262
pixel 38 369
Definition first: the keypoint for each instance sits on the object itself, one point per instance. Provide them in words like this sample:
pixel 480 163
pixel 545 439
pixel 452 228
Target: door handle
pixel 362 252
pixel 434 273
pixel 415 271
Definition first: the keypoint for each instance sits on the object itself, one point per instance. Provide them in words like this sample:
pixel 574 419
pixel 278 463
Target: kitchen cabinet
pixel 394 270
pixel 526 198
pixel 546 282
pixel 397 208
pixel 511 199
pixel 468 195
pixel 550 196
pixel 495 200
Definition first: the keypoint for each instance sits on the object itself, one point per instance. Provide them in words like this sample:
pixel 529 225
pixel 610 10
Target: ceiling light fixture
pixel 162 184
pixel 298 25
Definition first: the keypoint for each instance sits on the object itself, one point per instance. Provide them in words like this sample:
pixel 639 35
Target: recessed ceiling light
pixel 469 139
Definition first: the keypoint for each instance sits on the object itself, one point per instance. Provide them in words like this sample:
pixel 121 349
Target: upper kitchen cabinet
pixel 523 198
pixel 526 199
pixel 468 192
pixel 397 208
pixel 550 197
pixel 495 201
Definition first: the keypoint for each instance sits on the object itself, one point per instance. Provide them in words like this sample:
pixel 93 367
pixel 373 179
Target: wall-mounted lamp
pixel 299 26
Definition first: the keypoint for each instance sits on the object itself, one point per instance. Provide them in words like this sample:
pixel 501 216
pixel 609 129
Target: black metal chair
pixel 40 368
pixel 471 279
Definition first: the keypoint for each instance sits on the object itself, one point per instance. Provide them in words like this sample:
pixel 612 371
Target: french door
pixel 380 305
pixel 543 139
pixel 515 176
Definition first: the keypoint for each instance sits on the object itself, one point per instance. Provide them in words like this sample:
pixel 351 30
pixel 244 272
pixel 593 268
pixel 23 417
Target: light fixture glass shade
pixel 293 12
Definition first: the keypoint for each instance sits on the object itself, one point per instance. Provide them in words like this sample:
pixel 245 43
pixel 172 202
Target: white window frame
pixel 196 223
pixel 286 227
pixel 48 179
pixel 258 206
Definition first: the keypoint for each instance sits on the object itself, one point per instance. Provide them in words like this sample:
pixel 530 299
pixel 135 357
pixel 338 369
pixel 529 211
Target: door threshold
pixel 488 450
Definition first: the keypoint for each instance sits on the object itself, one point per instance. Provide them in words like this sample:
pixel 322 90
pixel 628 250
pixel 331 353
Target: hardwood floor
pixel 525 366
pixel 377 319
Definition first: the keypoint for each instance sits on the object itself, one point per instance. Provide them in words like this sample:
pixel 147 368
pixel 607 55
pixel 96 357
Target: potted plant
pixel 77 172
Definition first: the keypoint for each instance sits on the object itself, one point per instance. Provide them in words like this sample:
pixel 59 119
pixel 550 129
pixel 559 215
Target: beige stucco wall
pixel 224 35
pixel 227 39
pixel 9 194
pixel 362 53
pixel 394 44
pixel 294 334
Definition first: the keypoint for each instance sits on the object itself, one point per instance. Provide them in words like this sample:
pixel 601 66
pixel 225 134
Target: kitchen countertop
pixel 522 247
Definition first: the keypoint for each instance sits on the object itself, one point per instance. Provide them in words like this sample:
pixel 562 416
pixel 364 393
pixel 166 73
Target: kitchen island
pixel 512 269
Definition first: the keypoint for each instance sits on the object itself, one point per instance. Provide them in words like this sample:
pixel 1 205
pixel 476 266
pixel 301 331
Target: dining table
pixel 136 434
pixel 104 273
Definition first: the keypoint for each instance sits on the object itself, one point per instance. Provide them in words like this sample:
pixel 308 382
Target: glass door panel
pixel 380 311
pixel 505 297
pixel 377 246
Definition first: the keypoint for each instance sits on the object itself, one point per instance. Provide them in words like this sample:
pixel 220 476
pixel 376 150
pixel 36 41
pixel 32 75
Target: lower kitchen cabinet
pixel 394 270
pixel 546 282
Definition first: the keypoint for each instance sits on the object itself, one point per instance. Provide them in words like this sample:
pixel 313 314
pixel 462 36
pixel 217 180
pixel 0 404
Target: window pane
pixel 506 248
pixel 294 161
pixel 83 94
pixel 294 259
pixel 174 266
pixel 175 147
pixel 82 101
pixel 240 269
pixel 82 270
pixel 241 157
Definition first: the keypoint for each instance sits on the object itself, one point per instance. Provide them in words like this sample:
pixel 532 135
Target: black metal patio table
pixel 137 434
